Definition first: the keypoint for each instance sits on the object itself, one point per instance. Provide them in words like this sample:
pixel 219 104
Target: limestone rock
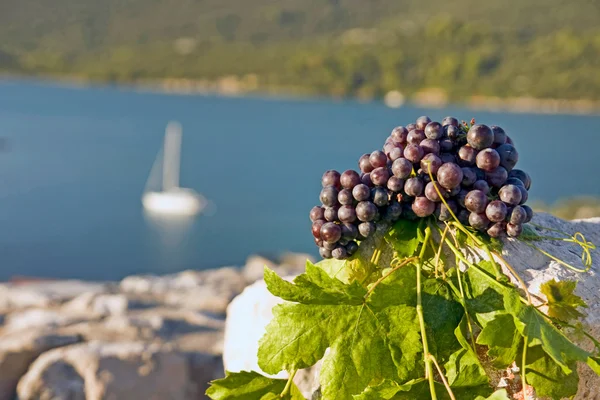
pixel 41 318
pixel 105 304
pixel 20 349
pixel 44 294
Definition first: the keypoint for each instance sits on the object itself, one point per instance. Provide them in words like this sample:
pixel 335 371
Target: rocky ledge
pixel 165 337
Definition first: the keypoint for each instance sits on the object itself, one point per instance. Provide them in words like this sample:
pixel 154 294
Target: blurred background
pixel 269 95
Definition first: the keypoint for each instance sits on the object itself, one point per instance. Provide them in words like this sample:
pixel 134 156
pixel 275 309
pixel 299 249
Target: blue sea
pixel 75 162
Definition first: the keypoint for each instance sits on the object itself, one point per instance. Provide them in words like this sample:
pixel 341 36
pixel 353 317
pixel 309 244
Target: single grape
pixel 476 201
pixel 346 214
pixel 351 248
pixel 330 246
pixel 378 159
pixel 497 230
pixel 395 184
pixel 482 185
pixel 431 163
pixel 331 178
pixel 461 197
pixel 411 127
pixel 510 194
pixel 388 147
pixel 480 173
pixel 343 242
pixel 450 175
pixel 402 168
pixel 446 145
pixel 499 135
pixel 345 197
pixel 318 242
pixel 380 176
pixel 514 230
pixel 329 196
pixel 450 121
pixel 364 164
pixel 515 181
pixel 529 212
pixel 395 153
pixel 414 187
pixel 479 221
pixel 349 179
pixel 497 177
pixel 361 192
pixel 447 158
pixel 442 212
pixel 349 231
pixel 366 229
pixel 423 207
pixel 393 212
pixel 422 122
pixel 379 196
pixel 523 176
pixel 509 140
pixel 488 159
pixel 518 216
pixel 452 132
pixel 496 211
pixel 317 213
pixel 430 146
pixel 434 131
pixel 524 195
pixel 366 211
pixel 415 136
pixel 316 228
pixel 509 156
pixel 469 177
pixel 467 156
pixel 331 214
pixel 339 253
pixel 463 217
pixel 331 232
pixel 399 135
pixel 480 137
pixel 366 179
pixel 325 253
pixel 454 192
pixel 413 153
pixel 432 194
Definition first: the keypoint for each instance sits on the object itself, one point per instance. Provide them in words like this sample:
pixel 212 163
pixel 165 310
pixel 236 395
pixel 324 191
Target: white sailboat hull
pixel 183 202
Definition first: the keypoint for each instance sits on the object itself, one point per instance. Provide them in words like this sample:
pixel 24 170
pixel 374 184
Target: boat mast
pixel 172 156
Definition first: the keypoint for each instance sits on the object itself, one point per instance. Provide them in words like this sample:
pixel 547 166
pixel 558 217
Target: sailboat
pixel 169 198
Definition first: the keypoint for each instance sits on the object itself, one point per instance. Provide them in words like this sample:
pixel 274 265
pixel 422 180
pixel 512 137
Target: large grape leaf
pixel 251 386
pixel 547 377
pixel 484 299
pixel 419 390
pixel 403 237
pixel 562 302
pixel 463 368
pixel 335 269
pixel 502 338
pixel 365 343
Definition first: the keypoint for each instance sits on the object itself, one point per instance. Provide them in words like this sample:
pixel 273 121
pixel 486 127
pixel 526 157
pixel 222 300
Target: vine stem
pixel 437 366
pixel 396 268
pixel 427 358
pixel 439 253
pixel 523 368
pixel 288 385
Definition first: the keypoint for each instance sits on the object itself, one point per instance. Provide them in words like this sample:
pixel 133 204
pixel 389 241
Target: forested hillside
pixel 540 48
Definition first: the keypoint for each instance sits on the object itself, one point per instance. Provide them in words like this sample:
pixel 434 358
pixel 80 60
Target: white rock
pixel 44 294
pixel 39 317
pixel 105 304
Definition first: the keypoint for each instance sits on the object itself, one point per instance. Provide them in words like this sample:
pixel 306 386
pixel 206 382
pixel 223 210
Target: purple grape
pixel 497 230
pixel 347 214
pixel 351 248
pixel 449 175
pixel 434 131
pixel 510 194
pixel 395 184
pixel 402 168
pixel 349 231
pixel 316 228
pixel 416 136
pixel 518 216
pixel 414 187
pixel 366 179
pixel 411 127
pixel 331 232
pixel 345 197
pixel 454 192
pixel 430 146
pixel 423 207
pixel 364 164
pixel 476 201
pixel 433 194
pixel 529 212
pixel 452 131
pixel 388 147
pixel 399 135
pixel 497 177
pixel 366 211
pixel 318 242
pixel 463 217
pixel 413 153
pixel 509 156
pixel 431 163
pixel 488 159
pixel 317 213
pixel 380 176
pixel 325 253
pixel 524 195
pixel 461 197
pixel 378 159
pixel 361 192
pixel 380 197
pixel 349 179
pixel 331 178
pixel 450 121
pixel 329 196
pixel 467 156
pixel 422 122
pixel 523 176
pixel 393 212
pixel 482 186
pixel 479 221
pixel 499 135
pixel 515 181
pixel 469 177
pixel 447 158
pixel 480 137
pixel 446 145
pixel 442 212
pixel 496 211
pixel 331 213
pixel 366 229
pixel 514 230
pixel 395 153
pixel 339 253
pixel 330 246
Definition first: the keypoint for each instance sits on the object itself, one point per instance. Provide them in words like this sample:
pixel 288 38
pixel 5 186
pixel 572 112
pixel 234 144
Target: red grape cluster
pixel 474 179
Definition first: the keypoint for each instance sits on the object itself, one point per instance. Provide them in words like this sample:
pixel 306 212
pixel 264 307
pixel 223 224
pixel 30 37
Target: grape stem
pixel 523 368
pixel 288 385
pixel 437 366
pixel 396 268
pixel 439 253
pixel 426 355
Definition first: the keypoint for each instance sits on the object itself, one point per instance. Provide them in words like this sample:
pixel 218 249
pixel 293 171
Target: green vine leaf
pixel 404 238
pixel 463 368
pixel 419 390
pixel 387 390
pixel 562 302
pixel 251 386
pixel 548 379
pixel 502 338
pixel 335 269
pixel 498 395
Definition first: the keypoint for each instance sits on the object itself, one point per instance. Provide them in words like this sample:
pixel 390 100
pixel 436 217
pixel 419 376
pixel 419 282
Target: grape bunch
pixel 474 180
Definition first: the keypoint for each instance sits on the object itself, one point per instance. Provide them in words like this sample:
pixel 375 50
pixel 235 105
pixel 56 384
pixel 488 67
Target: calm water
pixel 71 182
